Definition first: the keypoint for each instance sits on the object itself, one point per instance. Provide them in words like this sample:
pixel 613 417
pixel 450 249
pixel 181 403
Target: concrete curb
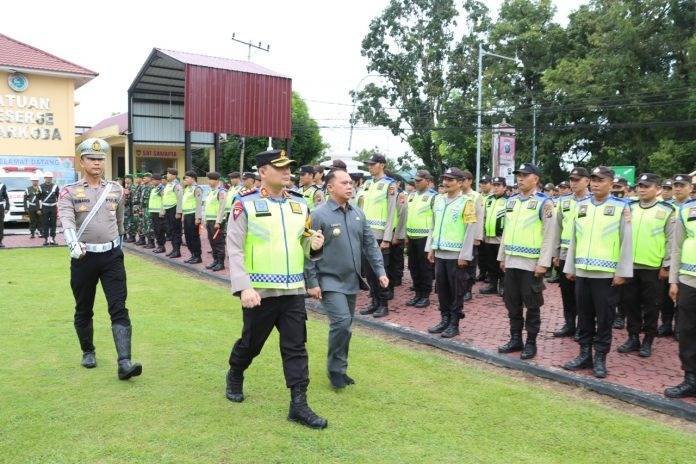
pixel 630 395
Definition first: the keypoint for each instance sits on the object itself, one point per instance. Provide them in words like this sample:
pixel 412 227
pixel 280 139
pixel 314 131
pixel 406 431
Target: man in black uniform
pixel 49 200
pixel 91 212
pixel 31 204
pixel 493 225
pixel 4 204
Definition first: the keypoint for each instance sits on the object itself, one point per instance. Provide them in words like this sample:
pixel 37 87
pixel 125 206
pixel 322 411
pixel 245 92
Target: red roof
pixel 120 120
pixel 18 55
pixel 219 63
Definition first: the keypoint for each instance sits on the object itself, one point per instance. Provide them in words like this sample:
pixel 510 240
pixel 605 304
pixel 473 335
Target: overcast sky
pixel 316 42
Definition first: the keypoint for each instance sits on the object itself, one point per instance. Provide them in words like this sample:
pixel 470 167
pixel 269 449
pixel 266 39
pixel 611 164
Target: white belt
pixel 48 204
pixel 103 247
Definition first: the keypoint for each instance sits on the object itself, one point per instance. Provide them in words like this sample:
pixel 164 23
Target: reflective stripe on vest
pixel 212 204
pixel 419 213
pixel 524 226
pixel 169 196
pixel 449 229
pixel 597 238
pixel 567 206
pixel 648 228
pixel 308 195
pixel 375 204
pixel 687 216
pixel 154 203
pixel 273 252
pixel 231 193
pixel 188 203
pixel 495 216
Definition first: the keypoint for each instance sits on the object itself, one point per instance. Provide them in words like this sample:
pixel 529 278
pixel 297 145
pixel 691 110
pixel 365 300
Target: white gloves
pixel 316 241
pixel 77 249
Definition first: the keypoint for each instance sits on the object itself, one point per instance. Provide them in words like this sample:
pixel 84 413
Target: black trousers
pixel 158 224
pixel 488 261
pixel 523 289
pixel 667 306
pixel 471 269
pixel 174 227
pixel 48 218
pixel 395 272
pixel 34 217
pixel 452 284
pixel 596 300
pixel 288 315
pixel 2 222
pixel 686 323
pixel 376 290
pixel 419 267
pixel 85 273
pixel 217 242
pixel 641 300
pixel 570 307
pixel 193 238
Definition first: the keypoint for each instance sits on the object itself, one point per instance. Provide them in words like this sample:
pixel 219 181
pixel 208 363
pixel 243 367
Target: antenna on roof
pixel 260 46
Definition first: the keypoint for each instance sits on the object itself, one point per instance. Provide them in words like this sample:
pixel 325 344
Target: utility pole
pixel 533 133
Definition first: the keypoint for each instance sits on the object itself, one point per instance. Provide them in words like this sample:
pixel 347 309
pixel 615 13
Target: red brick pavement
pixel 486 326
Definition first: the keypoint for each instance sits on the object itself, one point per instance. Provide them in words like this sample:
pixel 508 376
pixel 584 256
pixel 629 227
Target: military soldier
pixel 4 205
pixel 268 244
pixel 450 247
pixel 419 221
pixel 494 223
pixel 215 221
pixel 137 201
pixel 91 212
pixel 525 253
pixel 311 193
pixel 128 218
pixel 155 208
pixel 31 204
pixel 599 267
pixel 48 210
pixel 192 208
pixel 145 218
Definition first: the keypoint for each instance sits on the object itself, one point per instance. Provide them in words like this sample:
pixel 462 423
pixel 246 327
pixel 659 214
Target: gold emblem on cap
pixel 96 146
pixel 282 154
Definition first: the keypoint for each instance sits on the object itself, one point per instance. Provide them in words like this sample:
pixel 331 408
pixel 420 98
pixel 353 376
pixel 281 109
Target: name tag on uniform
pixel 261 208
pixel 582 211
pixel 380 186
pixel 566 205
pixel 79 193
pixel 609 210
pixel 660 214
pixel 532 204
pixel 426 197
pixel 295 207
pixel 692 215
pixel 510 205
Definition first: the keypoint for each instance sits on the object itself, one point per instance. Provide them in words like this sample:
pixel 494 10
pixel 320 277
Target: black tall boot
pixel 599 368
pixel 515 343
pixel 371 308
pixel 235 386
pixel 684 389
pixel 301 412
pixel 646 346
pixel 415 299
pixel 492 288
pixel 382 309
pixel 632 343
pixel 442 325
pixel 122 340
pixel 530 348
pixel 85 336
pixel 424 302
pixel 176 253
pixel 452 329
pixel 665 328
pixel 582 361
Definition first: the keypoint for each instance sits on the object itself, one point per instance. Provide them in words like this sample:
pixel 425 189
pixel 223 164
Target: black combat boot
pixel 218 267
pixel 141 240
pixel 371 308
pixel 390 293
pixel 213 264
pixel 301 412
pixel 684 389
pixel 150 244
pixel 599 368
pixel 582 361
pixel 665 329
pixel 382 309
pixel 235 386
pixel 122 340
pixel 491 289
pixel 515 343
pixel 619 322
pixel 646 346
pixel 159 249
pixel 414 300
pixel 632 343
pixel 452 329
pixel 467 296
pixel 442 325
pixel 175 253
pixel 567 330
pixel 530 348
pixel 195 260
pixel 424 302
pixel 85 335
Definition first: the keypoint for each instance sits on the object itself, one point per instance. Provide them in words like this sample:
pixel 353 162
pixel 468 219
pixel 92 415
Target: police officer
pixel 379 204
pixel 192 209
pixel 248 180
pixel 682 280
pixel 91 212
pixel 31 204
pixel 311 193
pixel 525 253
pixel 155 209
pixel 48 210
pixel 395 270
pixel 450 247
pixel 652 226
pixel 565 216
pixel 666 192
pixel 137 202
pixel 620 189
pixel 478 234
pixel 172 197
pixel 215 221
pixel 336 278
pixel 600 260
pixel 268 244
pixel 494 223
pixel 234 188
pixel 4 205
pixel 485 189
pixel 419 221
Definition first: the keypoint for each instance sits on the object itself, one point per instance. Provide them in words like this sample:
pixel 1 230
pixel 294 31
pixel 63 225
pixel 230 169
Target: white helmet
pixel 34 177
pixel 48 174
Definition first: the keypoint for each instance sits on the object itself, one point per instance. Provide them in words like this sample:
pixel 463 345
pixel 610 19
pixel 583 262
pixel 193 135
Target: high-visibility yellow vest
pixel 273 252
pixel 495 216
pixel 169 196
pixel 450 222
pixel 524 226
pixel 212 204
pixel 231 193
pixel 375 202
pixel 308 194
pixel 188 202
pixel 648 229
pixel 687 216
pixel 154 203
pixel 419 213
pixel 597 237
pixel 567 205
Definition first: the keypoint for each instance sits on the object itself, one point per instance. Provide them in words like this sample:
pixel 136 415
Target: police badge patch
pixel 609 210
pixel 261 208
pixel 295 207
pixel 582 211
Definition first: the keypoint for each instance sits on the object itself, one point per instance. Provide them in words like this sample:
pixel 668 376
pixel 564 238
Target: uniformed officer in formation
pixel 666 191
pixel 172 197
pixel 137 201
pixel 4 205
pixel 215 221
pixel 234 189
pixel 652 229
pixel 682 280
pixel 450 247
pixel 268 243
pixel 91 212
pixel 146 238
pixel 525 254
pixel 494 224
pixel 192 209
pixel 468 190
pixel 312 194
pixel 156 217
pixel 378 201
pixel 565 216
pixel 128 218
pixel 395 270
pixel 48 209
pixel 336 278
pixel 599 267
pixel 31 204
pixel 419 222
pixel 248 181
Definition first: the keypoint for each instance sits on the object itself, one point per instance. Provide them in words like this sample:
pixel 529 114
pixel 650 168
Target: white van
pixel 16 180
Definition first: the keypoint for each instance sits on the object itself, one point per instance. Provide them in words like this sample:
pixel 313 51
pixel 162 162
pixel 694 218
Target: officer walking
pixel 450 247
pixel 565 216
pixel 268 244
pixel 4 205
pixel 172 197
pixel 682 289
pixel 31 204
pixel 419 221
pixel 91 212
pixel 336 278
pixel 215 219
pixel 494 224
pixel 599 267
pixel 155 209
pixel 48 210
pixel 192 209
pixel 525 253
pixel 653 225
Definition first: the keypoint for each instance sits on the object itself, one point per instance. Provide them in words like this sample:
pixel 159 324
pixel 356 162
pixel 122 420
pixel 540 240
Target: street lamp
pixel 482 52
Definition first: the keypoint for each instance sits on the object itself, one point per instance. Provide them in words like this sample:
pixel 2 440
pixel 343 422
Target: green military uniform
pixel 128 218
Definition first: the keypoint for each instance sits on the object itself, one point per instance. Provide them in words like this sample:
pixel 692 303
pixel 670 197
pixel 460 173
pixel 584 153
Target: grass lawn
pixel 408 405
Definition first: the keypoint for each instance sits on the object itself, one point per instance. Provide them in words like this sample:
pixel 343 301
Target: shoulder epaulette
pixel 565 195
pixel 295 193
pixel 668 205
pixel 541 195
pixel 687 202
pixel 515 195
pixel 248 192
